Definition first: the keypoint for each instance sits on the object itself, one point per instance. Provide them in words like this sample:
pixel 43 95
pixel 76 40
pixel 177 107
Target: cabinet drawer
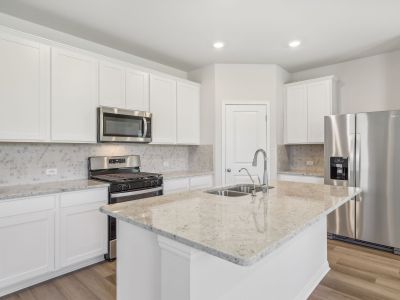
pixel 176 185
pixel 22 206
pixel 200 182
pixel 84 197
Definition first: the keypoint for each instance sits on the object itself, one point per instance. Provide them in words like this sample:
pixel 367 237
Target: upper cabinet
pixel 123 87
pixel 175 105
pixel 137 90
pixel 306 105
pixel 188 113
pixel 24 89
pixel 50 93
pixel 74 96
pixel 111 85
pixel 163 108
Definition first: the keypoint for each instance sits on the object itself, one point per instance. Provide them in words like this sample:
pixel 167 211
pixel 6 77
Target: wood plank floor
pixel 357 273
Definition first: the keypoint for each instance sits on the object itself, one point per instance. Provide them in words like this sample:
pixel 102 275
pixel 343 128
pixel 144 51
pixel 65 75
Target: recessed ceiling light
pixel 294 43
pixel 218 45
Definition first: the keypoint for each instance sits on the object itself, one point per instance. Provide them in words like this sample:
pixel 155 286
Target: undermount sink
pixel 238 190
pixel 226 193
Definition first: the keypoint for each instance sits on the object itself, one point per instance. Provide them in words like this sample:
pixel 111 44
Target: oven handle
pixel 145 127
pixel 119 195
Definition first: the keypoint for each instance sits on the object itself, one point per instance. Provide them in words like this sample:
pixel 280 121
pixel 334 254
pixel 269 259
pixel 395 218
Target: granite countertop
pixel 241 230
pixel 187 173
pixel 20 191
pixel 302 173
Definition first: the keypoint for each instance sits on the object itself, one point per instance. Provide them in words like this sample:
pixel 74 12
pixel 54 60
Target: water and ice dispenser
pixel 339 168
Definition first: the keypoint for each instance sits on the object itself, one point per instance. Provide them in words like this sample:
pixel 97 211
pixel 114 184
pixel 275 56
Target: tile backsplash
pixel 309 158
pixel 27 162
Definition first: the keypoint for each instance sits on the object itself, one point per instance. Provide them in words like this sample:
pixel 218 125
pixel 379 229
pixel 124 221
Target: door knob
pixel 228 170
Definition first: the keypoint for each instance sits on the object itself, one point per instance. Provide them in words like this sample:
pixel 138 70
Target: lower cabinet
pixel 42 236
pixel 27 239
pixel 83 229
pixel 176 185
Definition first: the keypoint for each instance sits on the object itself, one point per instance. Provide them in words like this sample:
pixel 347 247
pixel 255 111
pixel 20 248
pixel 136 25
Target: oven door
pixel 135 195
pixel 122 125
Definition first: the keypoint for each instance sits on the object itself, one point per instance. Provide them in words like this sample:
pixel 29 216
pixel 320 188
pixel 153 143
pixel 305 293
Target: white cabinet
pixel 184 184
pixel 306 104
pixel 319 96
pixel 188 113
pixel 137 90
pixel 24 89
pixel 83 228
pixel 46 236
pixel 74 96
pixel 163 108
pixel 301 178
pixel 27 235
pixel 296 114
pixel 111 85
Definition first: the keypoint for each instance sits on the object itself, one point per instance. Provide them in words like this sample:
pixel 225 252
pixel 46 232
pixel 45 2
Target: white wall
pixel 241 83
pixel 366 84
pixel 47 33
pixel 206 77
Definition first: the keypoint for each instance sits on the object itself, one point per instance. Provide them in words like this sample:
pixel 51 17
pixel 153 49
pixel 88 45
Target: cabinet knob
pixel 228 170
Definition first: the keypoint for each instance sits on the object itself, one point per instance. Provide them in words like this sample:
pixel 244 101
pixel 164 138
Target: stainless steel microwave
pixel 123 125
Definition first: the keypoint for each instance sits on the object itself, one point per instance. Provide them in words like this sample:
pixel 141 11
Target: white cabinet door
pixel 27 235
pixel 163 107
pixel 111 85
pixel 83 228
pixel 137 90
pixel 74 96
pixel 296 114
pixel 319 105
pixel 24 89
pixel 188 113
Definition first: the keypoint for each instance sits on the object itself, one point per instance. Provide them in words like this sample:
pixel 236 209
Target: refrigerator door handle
pixel 357 159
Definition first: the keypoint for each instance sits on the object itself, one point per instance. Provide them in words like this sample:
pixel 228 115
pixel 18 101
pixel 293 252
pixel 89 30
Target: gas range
pixel 123 173
pixel 127 183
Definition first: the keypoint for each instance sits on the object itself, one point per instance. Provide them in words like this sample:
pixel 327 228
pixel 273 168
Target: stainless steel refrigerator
pixel 363 150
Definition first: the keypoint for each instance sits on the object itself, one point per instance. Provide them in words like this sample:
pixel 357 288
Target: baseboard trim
pixel 42 278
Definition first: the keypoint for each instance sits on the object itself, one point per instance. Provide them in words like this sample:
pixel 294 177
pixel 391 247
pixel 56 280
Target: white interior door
pixel 245 132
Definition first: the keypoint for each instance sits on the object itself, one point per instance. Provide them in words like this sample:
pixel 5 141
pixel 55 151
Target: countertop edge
pixel 53 190
pixel 233 259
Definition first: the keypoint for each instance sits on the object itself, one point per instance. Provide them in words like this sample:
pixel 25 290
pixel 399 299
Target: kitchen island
pixel 198 246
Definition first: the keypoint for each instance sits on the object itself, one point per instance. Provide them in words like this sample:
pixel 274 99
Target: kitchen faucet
pixel 265 175
pixel 253 192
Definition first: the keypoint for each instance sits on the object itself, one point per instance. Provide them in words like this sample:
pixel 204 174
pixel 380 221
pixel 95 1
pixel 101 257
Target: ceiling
pixel 180 33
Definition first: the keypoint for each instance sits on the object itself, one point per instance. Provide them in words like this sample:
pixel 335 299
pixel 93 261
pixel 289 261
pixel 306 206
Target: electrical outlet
pixel 166 164
pixel 51 172
pixel 309 163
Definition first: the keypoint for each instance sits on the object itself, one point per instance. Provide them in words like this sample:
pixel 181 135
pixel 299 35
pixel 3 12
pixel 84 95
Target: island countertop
pixel 241 230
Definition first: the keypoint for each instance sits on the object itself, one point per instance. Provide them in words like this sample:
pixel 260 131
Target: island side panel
pixel 138 263
pixel 290 272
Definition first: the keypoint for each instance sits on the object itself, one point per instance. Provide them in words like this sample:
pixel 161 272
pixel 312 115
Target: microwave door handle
pixel 145 127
